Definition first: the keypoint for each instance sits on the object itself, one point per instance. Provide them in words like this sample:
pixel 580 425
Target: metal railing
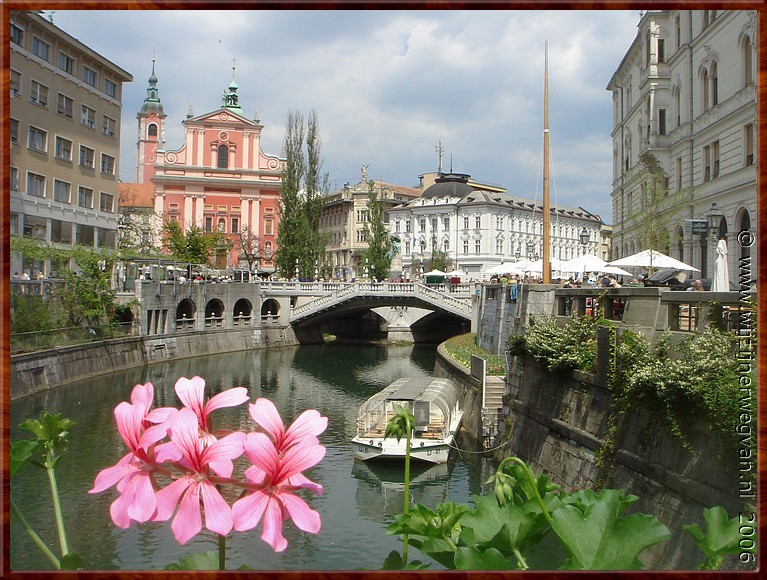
pixel 57 337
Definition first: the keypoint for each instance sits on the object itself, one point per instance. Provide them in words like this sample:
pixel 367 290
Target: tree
pixel 379 253
pixel 194 245
pixel 248 244
pixel 86 295
pixel 299 239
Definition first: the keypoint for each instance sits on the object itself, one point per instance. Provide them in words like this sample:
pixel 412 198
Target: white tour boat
pixel 435 404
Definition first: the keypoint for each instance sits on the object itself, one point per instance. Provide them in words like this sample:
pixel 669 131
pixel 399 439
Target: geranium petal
pixel 111 475
pixel 167 498
pixel 261 452
pixel 303 516
pixel 299 480
pixel 308 423
pixel 218 514
pixel 143 396
pixel 188 521
pixel 272 534
pixel 266 415
pixel 255 474
pixel 128 424
pixel 247 511
pixel 301 457
pixel 191 393
pixel 184 432
pixel 229 398
pixel 141 497
pixel 119 512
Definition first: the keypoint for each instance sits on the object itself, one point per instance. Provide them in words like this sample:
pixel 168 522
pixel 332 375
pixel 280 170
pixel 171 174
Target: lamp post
pixel 584 238
pixel 366 268
pixel 297 269
pixel 714 218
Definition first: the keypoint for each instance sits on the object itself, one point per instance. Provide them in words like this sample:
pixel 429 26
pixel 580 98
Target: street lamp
pixel 584 238
pixel 366 268
pixel 714 218
pixel 530 249
pixel 296 268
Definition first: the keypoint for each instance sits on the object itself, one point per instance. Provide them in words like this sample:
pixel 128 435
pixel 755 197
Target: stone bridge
pixel 398 311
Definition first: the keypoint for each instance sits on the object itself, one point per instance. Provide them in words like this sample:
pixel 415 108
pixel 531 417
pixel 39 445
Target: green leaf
pixel 394 562
pixel 472 559
pixel 599 539
pixel 20 452
pixel 206 561
pixel 71 561
pixel 722 535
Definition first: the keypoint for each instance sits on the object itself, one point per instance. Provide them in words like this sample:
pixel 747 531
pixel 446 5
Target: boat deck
pixel 434 430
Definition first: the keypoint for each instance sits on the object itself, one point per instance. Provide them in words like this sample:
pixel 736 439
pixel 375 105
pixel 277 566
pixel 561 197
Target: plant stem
pixel 57 511
pixel 521 559
pixel 221 552
pixel 407 492
pixel 32 534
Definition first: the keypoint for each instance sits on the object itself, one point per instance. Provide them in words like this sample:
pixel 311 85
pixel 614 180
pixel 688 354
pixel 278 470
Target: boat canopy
pixel 437 392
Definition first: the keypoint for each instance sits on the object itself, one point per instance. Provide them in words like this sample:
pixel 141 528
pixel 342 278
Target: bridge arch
pixel 185 314
pixel 270 307
pixel 214 313
pixel 242 312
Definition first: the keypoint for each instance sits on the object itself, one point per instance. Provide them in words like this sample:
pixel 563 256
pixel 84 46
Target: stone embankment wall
pixel 43 370
pixel 555 422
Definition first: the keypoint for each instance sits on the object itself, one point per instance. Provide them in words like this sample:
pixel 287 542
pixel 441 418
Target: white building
pixel 684 136
pixel 479 228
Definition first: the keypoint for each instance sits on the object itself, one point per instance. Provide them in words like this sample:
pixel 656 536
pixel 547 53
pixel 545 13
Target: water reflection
pixel 355 508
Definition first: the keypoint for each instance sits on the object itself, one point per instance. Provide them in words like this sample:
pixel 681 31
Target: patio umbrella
pixel 585 263
pixel 455 274
pixel 614 270
pixel 506 268
pixel 435 273
pixel 721 281
pixel 652 259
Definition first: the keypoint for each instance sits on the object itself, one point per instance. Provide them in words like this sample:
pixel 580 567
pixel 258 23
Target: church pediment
pixel 222 115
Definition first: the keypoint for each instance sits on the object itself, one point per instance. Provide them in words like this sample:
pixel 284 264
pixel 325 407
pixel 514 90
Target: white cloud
pixel 388 85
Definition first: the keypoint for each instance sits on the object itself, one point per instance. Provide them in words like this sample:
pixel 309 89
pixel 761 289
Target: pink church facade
pixel 218 180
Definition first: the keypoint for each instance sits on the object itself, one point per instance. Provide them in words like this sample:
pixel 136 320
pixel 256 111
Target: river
pixel 358 502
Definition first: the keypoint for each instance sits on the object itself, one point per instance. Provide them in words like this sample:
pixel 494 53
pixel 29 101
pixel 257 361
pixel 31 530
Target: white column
pixel 199 207
pixel 255 214
pixel 245 212
pixel 246 139
pixel 201 147
pixel 188 215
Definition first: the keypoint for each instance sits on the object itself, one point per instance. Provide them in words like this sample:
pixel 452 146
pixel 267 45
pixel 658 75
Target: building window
pixel 704 89
pixel 478 222
pixel 434 223
pixel 109 126
pixel 35 184
pixel 715 160
pixel 89 76
pixel 748 131
pixel 661 121
pixel 466 246
pixel 87 156
pixel 107 164
pixel 268 227
pixel 85 197
pixel 714 76
pixel 14 130
pixel 14 179
pixel 61 232
pixel 152 130
pixel 707 163
pixel 38 93
pixel 88 117
pixel 62 191
pixel 208 223
pixel 65 106
pixel 477 247
pixel 223 157
pixel 748 62
pixel 446 223
pixel 66 63
pixel 661 50
pixel 38 139
pixel 63 149
pixel 15 83
pixel 110 88
pixel 422 225
pixel 407 226
pixel 679 174
pixel 40 48
pixel 107 202
pixel 235 225
pixel 17 34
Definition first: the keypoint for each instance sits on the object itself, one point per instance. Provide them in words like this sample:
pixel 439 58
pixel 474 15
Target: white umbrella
pixel 455 274
pixel 585 263
pixel 435 273
pixel 652 259
pixel 615 270
pixel 526 265
pixel 506 268
pixel 721 282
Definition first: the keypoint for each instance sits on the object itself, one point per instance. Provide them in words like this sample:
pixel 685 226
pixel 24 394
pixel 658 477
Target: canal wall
pixel 555 423
pixel 39 371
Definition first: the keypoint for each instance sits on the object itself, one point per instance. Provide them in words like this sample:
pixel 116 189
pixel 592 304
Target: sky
pixel 388 86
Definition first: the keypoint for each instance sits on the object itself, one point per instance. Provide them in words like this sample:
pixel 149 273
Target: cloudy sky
pixel 388 86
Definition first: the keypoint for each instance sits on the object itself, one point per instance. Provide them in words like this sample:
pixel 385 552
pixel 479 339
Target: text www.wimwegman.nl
pixel 746 357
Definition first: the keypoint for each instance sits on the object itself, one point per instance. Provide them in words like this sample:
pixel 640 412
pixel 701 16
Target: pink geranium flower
pixel 191 392
pixel 199 457
pixel 133 473
pixel 308 425
pixel 275 477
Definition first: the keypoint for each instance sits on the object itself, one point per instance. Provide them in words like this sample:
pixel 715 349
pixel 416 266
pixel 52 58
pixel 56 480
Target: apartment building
pixel 684 137
pixel 65 107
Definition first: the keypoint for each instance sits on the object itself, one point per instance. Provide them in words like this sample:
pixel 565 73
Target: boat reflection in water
pixel 381 487
pixel 434 402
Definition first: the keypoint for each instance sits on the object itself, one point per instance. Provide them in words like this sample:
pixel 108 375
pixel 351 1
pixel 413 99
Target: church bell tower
pixel 151 131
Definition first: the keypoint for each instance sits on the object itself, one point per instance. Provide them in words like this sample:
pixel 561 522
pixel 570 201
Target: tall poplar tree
pixel 299 239
pixel 379 253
